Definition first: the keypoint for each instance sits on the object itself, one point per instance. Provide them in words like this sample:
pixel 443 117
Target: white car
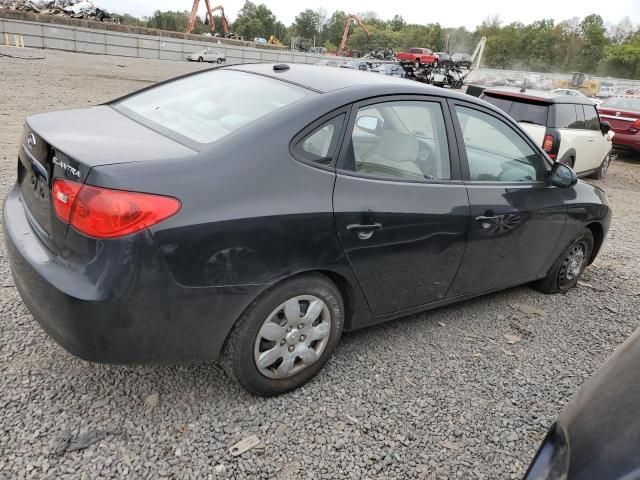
pixel 567 127
pixel 606 91
pixel 207 55
pixel 568 91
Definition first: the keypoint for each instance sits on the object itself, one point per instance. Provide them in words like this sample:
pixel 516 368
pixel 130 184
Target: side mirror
pixel 562 176
pixel 605 127
pixel 368 124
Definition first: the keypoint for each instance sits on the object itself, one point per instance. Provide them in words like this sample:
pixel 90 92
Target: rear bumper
pixel 132 312
pixel 627 141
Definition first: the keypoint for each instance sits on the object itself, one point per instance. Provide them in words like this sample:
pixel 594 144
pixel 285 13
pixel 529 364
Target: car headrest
pixel 398 146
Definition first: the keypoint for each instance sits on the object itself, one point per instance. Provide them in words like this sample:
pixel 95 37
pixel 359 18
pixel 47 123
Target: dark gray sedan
pixel 259 211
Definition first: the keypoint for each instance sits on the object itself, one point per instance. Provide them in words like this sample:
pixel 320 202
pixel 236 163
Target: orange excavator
pixel 212 23
pixel 347 26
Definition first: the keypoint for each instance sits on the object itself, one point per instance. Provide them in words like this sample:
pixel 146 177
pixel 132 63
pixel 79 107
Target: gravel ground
pixel 441 395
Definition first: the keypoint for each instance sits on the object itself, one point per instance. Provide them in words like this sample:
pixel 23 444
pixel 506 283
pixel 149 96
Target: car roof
pixel 541 96
pixel 318 77
pixel 323 79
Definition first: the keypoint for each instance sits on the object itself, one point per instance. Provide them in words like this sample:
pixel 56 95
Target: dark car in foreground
pixel 262 210
pixel 623 113
pixel 598 433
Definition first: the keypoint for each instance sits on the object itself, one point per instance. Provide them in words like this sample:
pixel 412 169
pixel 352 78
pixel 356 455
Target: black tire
pixel 238 356
pixel 602 169
pixel 200 59
pixel 416 64
pixel 558 279
pixel 219 61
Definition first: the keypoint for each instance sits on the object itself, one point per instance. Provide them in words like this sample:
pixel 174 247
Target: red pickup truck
pixel 418 56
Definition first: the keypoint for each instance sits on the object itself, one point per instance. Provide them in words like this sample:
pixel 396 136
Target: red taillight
pixel 547 144
pixel 104 213
pixel 64 193
pixel 636 125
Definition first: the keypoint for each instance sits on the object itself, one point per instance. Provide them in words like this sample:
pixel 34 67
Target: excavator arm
pixel 352 18
pixel 212 23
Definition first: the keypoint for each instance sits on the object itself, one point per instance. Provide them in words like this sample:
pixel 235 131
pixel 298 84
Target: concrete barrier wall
pixel 104 42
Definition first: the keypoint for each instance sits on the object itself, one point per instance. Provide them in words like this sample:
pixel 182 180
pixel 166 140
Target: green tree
pixel 334 27
pixel 307 24
pixel 397 23
pixel 595 43
pixel 255 21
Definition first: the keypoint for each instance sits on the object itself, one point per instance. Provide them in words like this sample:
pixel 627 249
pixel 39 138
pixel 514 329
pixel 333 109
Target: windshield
pixel 208 106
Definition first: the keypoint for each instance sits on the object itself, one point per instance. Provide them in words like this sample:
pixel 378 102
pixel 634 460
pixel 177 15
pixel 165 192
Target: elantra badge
pixel 66 167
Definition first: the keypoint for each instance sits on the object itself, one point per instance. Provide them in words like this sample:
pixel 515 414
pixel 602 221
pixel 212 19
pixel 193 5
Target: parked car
pixel 598 433
pixel 462 60
pixel 623 113
pixel 567 127
pixel 568 91
pixel 445 60
pixel 207 55
pixel 606 91
pixel 393 69
pixel 356 65
pixel 418 57
pixel 328 63
pixel 149 229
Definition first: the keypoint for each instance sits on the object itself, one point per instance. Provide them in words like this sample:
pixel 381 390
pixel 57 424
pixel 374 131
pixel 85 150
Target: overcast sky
pixel 449 14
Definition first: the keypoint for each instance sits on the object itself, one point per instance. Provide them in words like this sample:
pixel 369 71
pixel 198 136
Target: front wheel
pixel 416 64
pixel 200 59
pixel 565 272
pixel 219 61
pixel 285 336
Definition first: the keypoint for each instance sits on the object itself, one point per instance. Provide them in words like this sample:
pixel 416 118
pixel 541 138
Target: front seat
pixel 396 150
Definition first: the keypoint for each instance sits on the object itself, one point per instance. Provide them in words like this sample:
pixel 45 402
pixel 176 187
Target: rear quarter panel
pixel 251 214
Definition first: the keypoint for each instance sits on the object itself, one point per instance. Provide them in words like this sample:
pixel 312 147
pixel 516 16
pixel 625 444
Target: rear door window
pixel 320 145
pixel 563 115
pixel 591 118
pixel 579 117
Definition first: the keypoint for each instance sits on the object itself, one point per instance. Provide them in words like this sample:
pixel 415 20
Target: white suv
pixel 567 127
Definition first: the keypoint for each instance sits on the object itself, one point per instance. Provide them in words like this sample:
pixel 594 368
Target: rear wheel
pixel 200 59
pixel 286 336
pixel 219 61
pixel 416 64
pixel 566 271
pixel 602 169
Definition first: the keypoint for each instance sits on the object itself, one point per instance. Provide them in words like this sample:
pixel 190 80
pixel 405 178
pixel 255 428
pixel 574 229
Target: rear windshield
pixel 520 110
pixel 208 106
pixel 623 103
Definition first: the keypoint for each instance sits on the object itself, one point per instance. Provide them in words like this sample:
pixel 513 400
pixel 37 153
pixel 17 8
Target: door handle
pixel 487 221
pixel 365 232
pixel 591 139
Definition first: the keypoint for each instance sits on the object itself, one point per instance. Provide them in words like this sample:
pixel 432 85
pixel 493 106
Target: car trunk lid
pixel 68 144
pixel 620 120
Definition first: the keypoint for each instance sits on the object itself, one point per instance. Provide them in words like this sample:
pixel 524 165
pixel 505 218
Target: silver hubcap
pixel 293 337
pixel 572 266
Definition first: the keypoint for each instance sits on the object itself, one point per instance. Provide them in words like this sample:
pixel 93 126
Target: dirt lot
pixel 441 395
